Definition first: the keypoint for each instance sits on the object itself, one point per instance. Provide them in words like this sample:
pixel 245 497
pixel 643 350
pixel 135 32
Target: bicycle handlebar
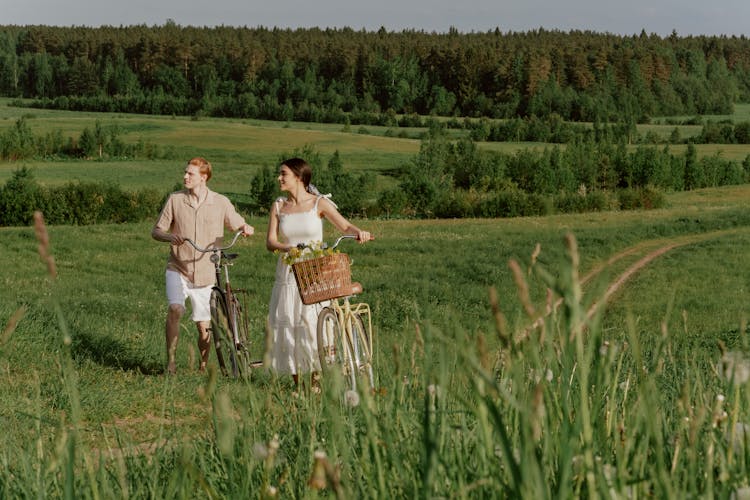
pixel 215 249
pixel 302 246
pixel 344 237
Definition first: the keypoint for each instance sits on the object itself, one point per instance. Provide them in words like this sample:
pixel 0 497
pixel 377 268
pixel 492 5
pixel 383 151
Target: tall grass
pixel 564 409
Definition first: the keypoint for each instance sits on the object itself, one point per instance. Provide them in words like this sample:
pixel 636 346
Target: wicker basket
pixel 323 278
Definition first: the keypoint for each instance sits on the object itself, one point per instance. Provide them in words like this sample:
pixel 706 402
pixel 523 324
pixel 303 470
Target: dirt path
pixel 667 246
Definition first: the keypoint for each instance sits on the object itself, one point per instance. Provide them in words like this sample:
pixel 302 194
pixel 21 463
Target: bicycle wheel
pixel 241 342
pixel 362 355
pixel 333 347
pixel 221 332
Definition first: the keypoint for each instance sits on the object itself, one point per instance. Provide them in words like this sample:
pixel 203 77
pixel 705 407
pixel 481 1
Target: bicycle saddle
pixel 356 288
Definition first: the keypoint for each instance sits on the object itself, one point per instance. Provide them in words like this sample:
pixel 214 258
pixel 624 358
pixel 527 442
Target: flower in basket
pixel 312 251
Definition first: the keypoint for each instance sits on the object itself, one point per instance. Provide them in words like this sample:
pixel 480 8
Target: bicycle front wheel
pixel 241 341
pixel 362 349
pixel 334 350
pixel 221 332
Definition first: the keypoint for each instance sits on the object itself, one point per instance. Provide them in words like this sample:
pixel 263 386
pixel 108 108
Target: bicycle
pixel 344 329
pixel 229 321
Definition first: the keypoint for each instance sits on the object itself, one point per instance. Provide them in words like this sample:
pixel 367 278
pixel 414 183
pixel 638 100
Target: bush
pixel 732 174
pixel 595 201
pixel 640 198
pixel 78 203
pixel 17 142
pixel 19 198
pixel 391 203
pixel 263 190
pixel 514 203
pixel 456 204
pixel 349 191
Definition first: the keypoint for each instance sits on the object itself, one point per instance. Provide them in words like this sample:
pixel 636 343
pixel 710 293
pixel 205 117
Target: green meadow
pixel 602 354
pixel 238 148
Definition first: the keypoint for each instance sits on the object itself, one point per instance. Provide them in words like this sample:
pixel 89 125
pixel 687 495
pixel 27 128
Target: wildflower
pixel 536 375
pixel 315 250
pixel 352 398
pixel 317 479
pixel 433 393
pixel 609 472
pixel 325 475
pixel 226 428
pixel 604 348
pixel 738 437
pixel 719 413
pixel 267 452
pixel 273 445
pixel 734 367
pixel 260 451
pixel 538 412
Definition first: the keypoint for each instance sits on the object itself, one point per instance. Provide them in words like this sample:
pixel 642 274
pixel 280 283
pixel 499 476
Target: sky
pixel 623 17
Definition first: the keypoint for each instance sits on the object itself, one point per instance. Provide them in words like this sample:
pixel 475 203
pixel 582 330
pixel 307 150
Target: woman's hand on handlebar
pixel 364 236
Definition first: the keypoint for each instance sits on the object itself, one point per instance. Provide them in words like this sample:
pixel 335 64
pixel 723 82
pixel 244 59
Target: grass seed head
pixel 44 248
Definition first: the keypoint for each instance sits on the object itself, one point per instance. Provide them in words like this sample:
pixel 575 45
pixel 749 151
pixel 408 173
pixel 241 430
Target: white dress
pixel 292 324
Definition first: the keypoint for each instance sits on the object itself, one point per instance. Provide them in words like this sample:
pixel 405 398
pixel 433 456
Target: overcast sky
pixel 625 17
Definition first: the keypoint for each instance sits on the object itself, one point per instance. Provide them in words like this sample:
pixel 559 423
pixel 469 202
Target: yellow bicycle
pixel 344 329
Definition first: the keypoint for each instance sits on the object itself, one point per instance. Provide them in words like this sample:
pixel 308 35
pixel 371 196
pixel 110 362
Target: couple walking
pixel 199 214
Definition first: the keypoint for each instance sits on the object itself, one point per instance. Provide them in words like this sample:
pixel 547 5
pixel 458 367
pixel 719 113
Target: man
pixel 199 214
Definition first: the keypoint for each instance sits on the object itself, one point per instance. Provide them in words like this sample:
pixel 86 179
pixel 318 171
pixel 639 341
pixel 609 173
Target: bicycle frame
pixel 233 305
pixel 346 314
pixel 221 261
pixel 217 254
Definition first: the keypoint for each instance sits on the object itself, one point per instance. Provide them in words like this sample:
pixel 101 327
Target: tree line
pixel 446 179
pixel 453 179
pixel 338 75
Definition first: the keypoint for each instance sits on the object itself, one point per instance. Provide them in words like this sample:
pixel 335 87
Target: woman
pixel 293 220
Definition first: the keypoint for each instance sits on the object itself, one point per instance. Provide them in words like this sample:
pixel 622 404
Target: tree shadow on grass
pixel 110 352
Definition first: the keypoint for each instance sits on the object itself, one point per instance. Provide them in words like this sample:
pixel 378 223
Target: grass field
pixel 428 283
pixel 239 147
pixel 632 383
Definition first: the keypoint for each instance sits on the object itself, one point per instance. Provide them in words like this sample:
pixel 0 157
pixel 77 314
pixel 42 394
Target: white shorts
pixel 179 288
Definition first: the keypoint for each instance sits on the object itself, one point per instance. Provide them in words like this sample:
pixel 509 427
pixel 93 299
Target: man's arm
pixel 235 221
pixel 161 235
pixel 160 231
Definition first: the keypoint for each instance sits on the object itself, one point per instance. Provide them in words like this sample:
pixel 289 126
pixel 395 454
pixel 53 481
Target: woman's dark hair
pixel 300 168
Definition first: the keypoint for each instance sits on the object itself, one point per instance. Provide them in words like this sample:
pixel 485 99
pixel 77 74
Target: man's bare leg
pixel 174 313
pixel 204 342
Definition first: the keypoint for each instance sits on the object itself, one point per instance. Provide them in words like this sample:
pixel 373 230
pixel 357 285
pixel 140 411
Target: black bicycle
pixel 229 321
